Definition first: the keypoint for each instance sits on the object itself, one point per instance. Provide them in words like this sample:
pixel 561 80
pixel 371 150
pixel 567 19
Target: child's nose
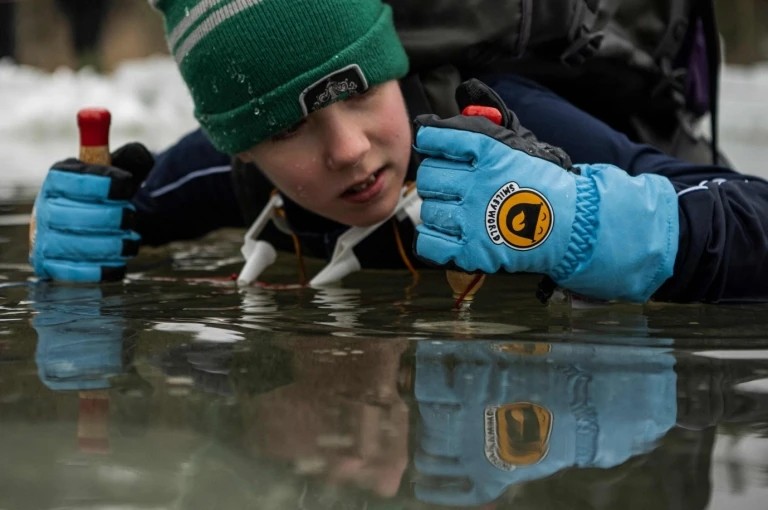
pixel 347 141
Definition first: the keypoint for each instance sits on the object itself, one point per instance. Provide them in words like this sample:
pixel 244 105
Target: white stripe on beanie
pixel 190 19
pixel 213 20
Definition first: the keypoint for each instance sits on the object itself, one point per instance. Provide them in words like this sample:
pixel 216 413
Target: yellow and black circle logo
pixel 519 217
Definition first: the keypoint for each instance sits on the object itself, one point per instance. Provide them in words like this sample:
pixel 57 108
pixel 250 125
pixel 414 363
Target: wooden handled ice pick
pixel 465 285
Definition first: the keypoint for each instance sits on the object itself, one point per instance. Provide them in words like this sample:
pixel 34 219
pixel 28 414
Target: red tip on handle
pixel 94 126
pixel 489 112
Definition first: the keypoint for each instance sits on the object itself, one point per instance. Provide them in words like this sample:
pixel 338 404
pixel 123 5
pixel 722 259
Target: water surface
pixel 176 389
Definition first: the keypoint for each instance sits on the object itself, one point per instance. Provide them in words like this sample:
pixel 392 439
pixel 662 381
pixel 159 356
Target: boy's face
pixel 346 161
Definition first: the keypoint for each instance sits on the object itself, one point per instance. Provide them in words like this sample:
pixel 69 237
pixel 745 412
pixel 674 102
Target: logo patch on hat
pixel 519 217
pixel 340 84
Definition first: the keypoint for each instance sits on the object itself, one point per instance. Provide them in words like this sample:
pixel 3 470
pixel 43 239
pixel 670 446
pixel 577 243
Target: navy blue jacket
pixel 723 249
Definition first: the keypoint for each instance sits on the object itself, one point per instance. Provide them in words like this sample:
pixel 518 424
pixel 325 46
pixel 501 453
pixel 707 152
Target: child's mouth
pixel 364 190
pixel 363 185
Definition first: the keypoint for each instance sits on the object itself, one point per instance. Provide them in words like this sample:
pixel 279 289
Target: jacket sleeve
pixel 187 194
pixel 723 250
pixel 472 33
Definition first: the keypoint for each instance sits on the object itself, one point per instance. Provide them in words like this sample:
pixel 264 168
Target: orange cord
pixel 297 249
pixel 403 254
pixel 300 259
pixel 400 248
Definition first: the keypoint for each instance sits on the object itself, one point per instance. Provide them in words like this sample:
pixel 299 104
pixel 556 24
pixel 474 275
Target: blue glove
pixel 496 199
pixel 82 218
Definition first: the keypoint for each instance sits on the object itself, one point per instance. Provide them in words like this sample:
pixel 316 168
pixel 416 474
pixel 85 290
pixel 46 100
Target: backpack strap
pixel 712 37
pixel 586 39
pixel 672 82
pixel 683 17
pixel 679 19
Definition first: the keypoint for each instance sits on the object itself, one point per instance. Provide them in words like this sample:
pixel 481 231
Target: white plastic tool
pixel 260 254
pixel 344 261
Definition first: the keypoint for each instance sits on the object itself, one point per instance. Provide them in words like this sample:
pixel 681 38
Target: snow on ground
pixel 149 103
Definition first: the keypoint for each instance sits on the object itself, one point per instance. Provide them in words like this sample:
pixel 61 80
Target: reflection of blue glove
pixel 82 218
pixel 495 198
pixel 79 347
pixel 495 414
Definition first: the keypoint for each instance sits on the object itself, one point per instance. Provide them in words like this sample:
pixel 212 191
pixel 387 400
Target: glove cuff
pixel 624 237
pixel 583 231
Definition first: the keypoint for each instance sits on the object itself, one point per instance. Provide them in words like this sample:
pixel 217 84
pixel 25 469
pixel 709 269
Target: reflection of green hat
pixel 256 67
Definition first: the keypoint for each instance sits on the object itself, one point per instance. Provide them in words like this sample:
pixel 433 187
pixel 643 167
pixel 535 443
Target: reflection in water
pixel 84 346
pixel 259 308
pixel 340 418
pixel 345 308
pixel 497 414
pixel 201 332
pixel 279 419
pixel 78 346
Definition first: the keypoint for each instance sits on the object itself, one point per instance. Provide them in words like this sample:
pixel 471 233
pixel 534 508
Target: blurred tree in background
pixel 132 29
pixel 744 27
pixel 44 32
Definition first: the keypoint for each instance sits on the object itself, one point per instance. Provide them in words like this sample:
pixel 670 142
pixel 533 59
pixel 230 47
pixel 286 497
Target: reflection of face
pixel 341 419
pixel 346 161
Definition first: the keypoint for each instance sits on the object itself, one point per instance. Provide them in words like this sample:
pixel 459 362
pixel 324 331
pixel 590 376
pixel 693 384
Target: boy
pixel 326 121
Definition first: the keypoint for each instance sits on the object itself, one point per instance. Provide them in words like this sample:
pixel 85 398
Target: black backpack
pixel 649 69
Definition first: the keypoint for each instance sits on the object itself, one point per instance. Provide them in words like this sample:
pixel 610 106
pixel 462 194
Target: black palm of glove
pixel 82 222
pixel 474 92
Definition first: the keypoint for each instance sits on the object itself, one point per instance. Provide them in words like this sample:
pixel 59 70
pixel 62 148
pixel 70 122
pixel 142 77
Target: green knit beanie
pixel 256 67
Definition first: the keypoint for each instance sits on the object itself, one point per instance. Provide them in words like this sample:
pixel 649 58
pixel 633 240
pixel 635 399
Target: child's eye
pixel 289 132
